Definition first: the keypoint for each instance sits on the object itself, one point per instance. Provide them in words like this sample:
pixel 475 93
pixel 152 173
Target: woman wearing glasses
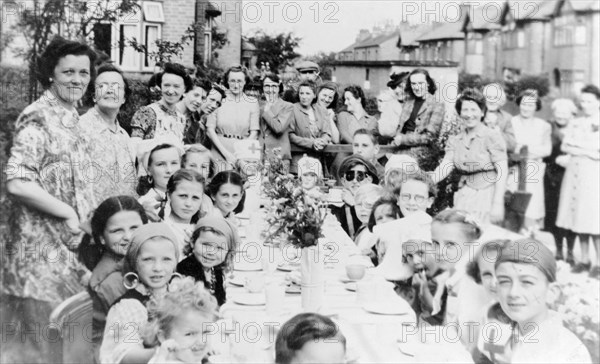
pixel 275 118
pixel 479 154
pixel 421 120
pixel 310 130
pixel 236 119
pixel 111 151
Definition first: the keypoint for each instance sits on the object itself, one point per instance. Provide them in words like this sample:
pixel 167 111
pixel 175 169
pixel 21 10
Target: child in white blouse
pixel 149 266
pixel 185 192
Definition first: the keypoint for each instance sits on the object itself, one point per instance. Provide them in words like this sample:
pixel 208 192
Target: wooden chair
pixel 70 330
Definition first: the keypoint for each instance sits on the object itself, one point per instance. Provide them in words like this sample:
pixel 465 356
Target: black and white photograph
pixel 294 182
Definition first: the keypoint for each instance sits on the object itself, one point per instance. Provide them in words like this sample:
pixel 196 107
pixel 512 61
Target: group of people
pixel 157 208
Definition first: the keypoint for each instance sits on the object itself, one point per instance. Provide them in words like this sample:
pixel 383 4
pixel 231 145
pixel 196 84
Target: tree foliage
pixel 74 19
pixel 279 50
pixel 324 60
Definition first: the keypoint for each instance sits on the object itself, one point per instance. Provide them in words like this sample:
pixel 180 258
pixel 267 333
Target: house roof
pixel 444 31
pixel 579 6
pixel 375 41
pixel 481 18
pixel 526 10
pixel 349 48
pixel 408 37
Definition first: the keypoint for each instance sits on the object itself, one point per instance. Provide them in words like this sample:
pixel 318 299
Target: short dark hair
pixel 110 67
pixel 234 69
pixel 301 329
pixel 202 83
pixel 177 70
pixel 358 93
pixel 430 82
pixel 474 95
pixel 275 78
pixel 225 177
pixel 372 133
pixel 591 89
pixel 530 93
pixel 60 48
pixel 333 87
pixel 386 199
pixel 310 85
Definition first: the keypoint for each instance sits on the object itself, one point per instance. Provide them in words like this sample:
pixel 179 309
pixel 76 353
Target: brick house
pixel 445 42
pixel 574 51
pixel 482 37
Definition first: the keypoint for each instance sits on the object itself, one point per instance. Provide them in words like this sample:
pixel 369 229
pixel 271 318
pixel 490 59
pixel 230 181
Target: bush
pixel 469 80
pixel 14 82
pixel 541 83
pixel 140 96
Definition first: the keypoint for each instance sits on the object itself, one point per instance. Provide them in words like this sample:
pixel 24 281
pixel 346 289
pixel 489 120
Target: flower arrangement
pixel 294 214
pixel 578 301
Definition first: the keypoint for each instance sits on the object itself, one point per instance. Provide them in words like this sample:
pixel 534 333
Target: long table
pixel 371 338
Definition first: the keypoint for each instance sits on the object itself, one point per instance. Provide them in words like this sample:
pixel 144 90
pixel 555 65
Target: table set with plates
pixel 379 326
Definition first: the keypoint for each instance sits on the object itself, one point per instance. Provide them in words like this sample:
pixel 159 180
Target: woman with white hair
pixel 496 118
pixel 563 111
pixel 390 110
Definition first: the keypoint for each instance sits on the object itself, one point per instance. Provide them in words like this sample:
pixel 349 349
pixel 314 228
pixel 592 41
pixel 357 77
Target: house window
pixel 151 34
pixel 474 43
pixel 514 38
pixel 367 72
pixel 569 30
pixel 145 25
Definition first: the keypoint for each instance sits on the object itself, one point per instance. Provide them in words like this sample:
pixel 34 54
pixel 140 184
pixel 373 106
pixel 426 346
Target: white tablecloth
pixel 371 338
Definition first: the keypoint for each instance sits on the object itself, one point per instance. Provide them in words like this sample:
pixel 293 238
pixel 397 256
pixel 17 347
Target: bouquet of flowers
pixel 293 214
pixel 578 301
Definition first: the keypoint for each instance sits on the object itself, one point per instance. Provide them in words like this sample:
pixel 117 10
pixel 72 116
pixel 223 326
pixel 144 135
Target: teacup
pixel 355 271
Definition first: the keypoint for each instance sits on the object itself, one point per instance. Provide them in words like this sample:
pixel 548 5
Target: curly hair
pixel 225 177
pixel 177 70
pixel 388 200
pixel 473 95
pixel 528 94
pixel 235 69
pixel 60 48
pixel 417 175
pixel 183 296
pixel 358 93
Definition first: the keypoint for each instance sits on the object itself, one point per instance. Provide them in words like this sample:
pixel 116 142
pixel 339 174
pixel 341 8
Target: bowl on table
pixel 355 272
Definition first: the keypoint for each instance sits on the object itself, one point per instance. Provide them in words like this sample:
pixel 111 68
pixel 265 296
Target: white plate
pixel 384 308
pixel 247 267
pixel 250 299
pixel 237 281
pixel 350 286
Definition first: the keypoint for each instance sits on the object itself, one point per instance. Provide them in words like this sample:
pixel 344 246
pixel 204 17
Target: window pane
pixel 153 11
pixel 151 37
pixel 128 58
pixel 580 34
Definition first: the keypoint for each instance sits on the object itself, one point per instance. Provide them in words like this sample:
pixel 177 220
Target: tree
pixel 75 19
pixel 165 49
pixel 324 61
pixel 278 50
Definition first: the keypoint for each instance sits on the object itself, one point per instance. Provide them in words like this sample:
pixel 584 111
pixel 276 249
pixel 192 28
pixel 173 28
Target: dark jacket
pixel 275 127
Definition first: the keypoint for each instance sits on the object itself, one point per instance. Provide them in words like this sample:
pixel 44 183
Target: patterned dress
pixel 113 156
pixel 50 149
pixel 155 121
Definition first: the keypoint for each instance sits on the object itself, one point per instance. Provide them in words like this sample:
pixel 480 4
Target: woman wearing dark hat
pixel 421 120
pixel 354 172
pixel 397 84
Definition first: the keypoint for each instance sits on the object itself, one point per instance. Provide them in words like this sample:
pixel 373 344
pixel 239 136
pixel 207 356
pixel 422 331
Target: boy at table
pixel 522 327
pixel 426 285
pixel 366 144
pixel 310 338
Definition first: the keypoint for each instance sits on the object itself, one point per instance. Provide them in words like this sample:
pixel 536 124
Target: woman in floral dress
pixel 50 193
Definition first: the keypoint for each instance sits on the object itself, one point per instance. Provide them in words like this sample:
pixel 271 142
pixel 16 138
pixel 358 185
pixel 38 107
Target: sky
pixel 327 26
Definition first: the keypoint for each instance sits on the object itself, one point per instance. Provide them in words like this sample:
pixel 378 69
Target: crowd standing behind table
pixel 52 204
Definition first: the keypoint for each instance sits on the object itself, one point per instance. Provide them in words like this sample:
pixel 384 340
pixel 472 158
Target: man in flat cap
pixel 307 71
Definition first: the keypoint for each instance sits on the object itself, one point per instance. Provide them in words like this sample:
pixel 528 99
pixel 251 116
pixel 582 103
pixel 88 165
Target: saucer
pixel 249 299
pixel 350 286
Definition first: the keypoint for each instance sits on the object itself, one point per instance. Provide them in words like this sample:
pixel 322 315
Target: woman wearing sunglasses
pixel 354 172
